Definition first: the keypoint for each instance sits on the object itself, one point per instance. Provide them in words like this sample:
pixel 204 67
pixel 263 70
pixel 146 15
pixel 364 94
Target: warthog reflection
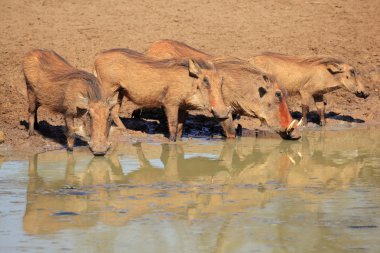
pixel 191 181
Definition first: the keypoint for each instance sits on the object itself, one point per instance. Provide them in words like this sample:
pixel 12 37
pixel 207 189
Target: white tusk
pixel 300 122
pixel 291 125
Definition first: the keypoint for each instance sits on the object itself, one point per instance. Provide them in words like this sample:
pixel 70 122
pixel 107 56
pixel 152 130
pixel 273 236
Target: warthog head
pixel 348 77
pixel 272 110
pixel 99 124
pixel 209 88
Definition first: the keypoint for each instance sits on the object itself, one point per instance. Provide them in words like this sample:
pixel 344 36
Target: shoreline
pixel 24 149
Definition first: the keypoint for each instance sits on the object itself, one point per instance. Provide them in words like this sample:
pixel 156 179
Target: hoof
pixel 70 149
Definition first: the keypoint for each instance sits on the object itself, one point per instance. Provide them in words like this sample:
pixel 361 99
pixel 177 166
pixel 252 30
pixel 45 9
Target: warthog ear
pixel 262 91
pixel 82 102
pixel 334 68
pixel 194 69
pixel 268 81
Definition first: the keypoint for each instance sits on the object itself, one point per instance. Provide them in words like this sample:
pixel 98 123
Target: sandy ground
pixel 78 29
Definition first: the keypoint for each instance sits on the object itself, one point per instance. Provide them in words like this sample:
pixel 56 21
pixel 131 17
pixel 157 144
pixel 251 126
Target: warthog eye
pixel 352 72
pixel 206 81
pixel 279 94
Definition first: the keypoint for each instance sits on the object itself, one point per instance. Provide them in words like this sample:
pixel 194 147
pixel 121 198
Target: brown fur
pixel 242 90
pixel 169 49
pixel 53 83
pixel 311 77
pixel 311 60
pixel 161 63
pixel 241 87
pixel 174 84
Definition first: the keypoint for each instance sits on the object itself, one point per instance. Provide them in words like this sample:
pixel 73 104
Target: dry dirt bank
pixel 78 29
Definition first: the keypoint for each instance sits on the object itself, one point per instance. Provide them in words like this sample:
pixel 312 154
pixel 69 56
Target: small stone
pixel 2 137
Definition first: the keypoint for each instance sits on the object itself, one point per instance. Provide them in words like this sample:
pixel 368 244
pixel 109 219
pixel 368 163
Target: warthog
pixel 177 85
pixel 53 83
pixel 247 90
pixel 311 77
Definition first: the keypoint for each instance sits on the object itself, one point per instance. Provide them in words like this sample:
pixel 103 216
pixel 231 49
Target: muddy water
pixel 321 194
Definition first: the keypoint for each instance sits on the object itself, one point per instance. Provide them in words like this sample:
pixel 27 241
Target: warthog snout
pixel 362 94
pixel 291 133
pixel 221 113
pixel 99 149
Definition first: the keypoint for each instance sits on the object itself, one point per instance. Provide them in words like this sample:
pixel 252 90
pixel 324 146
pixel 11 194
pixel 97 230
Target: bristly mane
pixel 61 71
pixel 154 63
pixel 183 45
pixel 94 90
pixel 310 60
pixel 50 61
pixel 236 64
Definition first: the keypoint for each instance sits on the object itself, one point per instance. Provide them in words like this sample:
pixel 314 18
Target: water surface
pixel 320 194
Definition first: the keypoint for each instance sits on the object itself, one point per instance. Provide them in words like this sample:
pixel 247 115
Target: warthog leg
pixel 321 113
pixel 70 131
pixel 115 112
pixel 320 104
pixel 172 117
pixel 306 100
pixel 32 111
pixel 182 114
pixel 305 111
